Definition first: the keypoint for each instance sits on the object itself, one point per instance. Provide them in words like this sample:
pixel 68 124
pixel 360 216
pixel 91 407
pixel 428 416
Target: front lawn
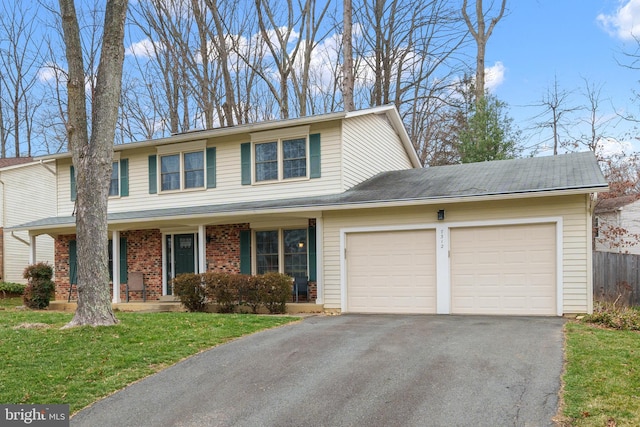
pixel 602 379
pixel 40 363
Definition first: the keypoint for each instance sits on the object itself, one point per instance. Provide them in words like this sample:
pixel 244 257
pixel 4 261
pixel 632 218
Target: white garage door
pixel 504 270
pixel 391 272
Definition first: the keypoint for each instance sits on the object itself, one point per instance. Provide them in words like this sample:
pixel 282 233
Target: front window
pixel 280 160
pixel 194 170
pixel 114 186
pixel 170 172
pixel 267 252
pixel 267 161
pixel 288 245
pixel 294 158
pixel 295 252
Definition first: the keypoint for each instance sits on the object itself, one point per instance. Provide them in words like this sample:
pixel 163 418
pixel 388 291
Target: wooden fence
pixel 616 277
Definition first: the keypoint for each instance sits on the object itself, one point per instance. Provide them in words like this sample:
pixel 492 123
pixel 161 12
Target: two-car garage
pixel 506 269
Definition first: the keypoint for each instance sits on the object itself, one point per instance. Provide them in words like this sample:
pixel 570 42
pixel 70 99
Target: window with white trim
pixel 114 186
pixel 281 250
pixel 182 171
pixel 281 159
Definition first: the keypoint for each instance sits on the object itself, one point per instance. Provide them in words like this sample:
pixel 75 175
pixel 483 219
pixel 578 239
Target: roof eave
pixel 65 228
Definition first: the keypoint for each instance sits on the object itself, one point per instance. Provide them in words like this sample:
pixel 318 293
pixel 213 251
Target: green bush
pixel 40 290
pixel 190 290
pixel 224 289
pixel 616 317
pixel 275 291
pixel 9 288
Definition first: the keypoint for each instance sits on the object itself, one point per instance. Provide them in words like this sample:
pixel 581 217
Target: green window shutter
pixel 72 172
pixel 73 263
pixel 211 167
pixel 245 251
pixel 313 262
pixel 123 260
pixel 153 178
pixel 245 162
pixel 124 177
pixel 314 155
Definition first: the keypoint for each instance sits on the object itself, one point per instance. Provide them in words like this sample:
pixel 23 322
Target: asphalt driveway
pixel 357 370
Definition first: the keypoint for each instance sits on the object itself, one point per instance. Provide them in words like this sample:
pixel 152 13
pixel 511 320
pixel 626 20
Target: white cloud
pixel 611 147
pixel 144 48
pixel 47 73
pixel 494 76
pixel 624 23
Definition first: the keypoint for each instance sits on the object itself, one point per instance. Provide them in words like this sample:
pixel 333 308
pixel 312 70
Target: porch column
pixel 32 249
pixel 202 249
pixel 115 247
pixel 319 260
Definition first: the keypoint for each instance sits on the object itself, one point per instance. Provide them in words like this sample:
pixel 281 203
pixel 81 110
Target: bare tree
pixel 347 66
pixel 595 122
pixel 556 114
pixel 92 154
pixel 481 35
pixel 19 63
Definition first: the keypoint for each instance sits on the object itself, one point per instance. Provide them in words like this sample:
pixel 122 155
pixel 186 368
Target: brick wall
pixel 223 248
pixel 144 254
pixel 61 249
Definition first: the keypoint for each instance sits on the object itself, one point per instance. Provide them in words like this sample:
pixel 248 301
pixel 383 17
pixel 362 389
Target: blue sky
pixel 568 40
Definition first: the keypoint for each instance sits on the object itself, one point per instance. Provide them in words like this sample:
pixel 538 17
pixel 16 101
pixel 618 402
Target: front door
pixel 181 256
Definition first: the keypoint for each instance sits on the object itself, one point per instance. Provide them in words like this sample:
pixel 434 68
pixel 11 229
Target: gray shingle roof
pixel 569 172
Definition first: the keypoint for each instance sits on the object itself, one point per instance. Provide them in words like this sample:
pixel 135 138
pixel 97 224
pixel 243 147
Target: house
pixel 342 199
pixel 27 192
pixel 617 224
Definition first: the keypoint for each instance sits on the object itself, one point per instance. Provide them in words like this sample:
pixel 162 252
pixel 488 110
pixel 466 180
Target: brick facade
pixel 144 254
pixel 223 248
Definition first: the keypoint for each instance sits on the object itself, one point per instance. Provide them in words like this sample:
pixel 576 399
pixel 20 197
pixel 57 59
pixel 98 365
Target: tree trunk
pixel 481 35
pixel 93 158
pixel 347 68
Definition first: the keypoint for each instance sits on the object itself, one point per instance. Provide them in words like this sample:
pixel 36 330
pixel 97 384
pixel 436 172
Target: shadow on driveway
pixel 358 370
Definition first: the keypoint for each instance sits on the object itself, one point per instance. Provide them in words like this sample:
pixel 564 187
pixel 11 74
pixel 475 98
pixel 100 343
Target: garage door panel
pixel 504 270
pixel 391 272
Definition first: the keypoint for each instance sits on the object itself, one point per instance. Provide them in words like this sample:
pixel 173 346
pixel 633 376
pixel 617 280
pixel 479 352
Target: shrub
pixel 40 290
pixel 11 289
pixel 221 289
pixel 275 291
pixel 616 317
pixel 190 290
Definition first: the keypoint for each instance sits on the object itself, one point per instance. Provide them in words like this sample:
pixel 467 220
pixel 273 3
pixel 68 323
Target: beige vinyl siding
pixel 228 183
pixel 370 146
pixel 576 236
pixel 24 202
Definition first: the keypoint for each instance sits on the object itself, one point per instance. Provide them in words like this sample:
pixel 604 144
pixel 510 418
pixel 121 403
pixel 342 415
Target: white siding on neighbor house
pixel 370 146
pixel 229 188
pixel 576 236
pixel 627 221
pixel 29 193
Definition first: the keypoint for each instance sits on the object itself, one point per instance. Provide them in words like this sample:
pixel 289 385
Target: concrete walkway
pixel 357 370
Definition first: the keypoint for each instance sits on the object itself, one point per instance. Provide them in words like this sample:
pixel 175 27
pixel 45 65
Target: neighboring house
pixel 617 224
pixel 28 192
pixel 342 199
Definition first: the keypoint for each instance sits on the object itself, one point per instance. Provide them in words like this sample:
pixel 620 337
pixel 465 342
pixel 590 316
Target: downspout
pixel 4 211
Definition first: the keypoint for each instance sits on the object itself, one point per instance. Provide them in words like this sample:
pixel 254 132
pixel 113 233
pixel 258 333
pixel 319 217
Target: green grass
pixel 10 302
pixel 602 379
pixel 81 365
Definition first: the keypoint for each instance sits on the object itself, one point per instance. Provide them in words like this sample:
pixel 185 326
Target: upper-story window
pixel 114 186
pixel 118 183
pixel 183 167
pixel 280 155
pixel 282 159
pixel 188 166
